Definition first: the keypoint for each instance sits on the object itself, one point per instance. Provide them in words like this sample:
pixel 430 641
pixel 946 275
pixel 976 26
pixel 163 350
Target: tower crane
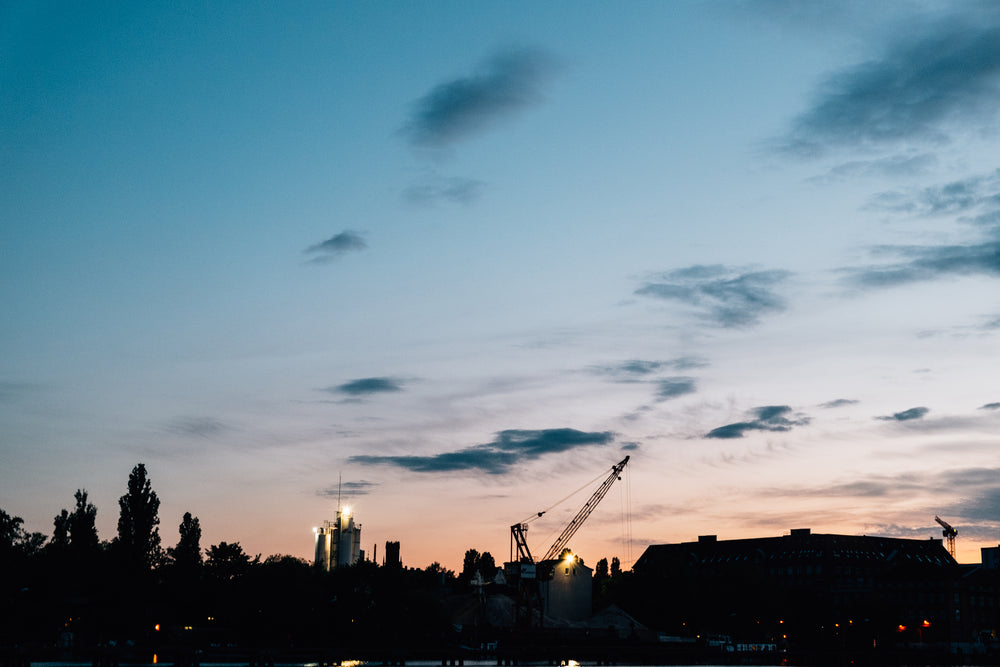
pixel 529 570
pixel 948 533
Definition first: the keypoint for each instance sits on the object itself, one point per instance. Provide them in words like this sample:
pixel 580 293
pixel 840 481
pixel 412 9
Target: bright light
pixel 569 559
pixel 315 529
pixel 346 511
pixel 927 623
pixel 900 628
pixel 157 627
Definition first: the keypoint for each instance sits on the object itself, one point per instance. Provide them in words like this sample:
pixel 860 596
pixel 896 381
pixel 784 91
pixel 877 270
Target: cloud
pixel 674 387
pixel 906 415
pixel 509 82
pixel 773 418
pixel 451 189
pixel 725 296
pixel 636 368
pixel 990 406
pixel 838 403
pixel 336 246
pixel 921 263
pixel 195 427
pixel 979 194
pixel 893 166
pixel 974 200
pixel 925 82
pixel 510 448
pixel 365 386
pixel 358 488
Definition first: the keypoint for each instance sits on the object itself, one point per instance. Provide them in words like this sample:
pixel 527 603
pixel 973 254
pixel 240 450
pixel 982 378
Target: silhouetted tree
pixel 138 535
pixel 470 564
pixel 187 554
pixel 601 570
pixel 83 525
pixel 487 565
pixel 228 561
pixel 60 532
pixel 616 568
pixel 14 539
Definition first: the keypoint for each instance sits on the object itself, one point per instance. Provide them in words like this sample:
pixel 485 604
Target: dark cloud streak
pixel 336 246
pixel 921 85
pixel 510 81
pixel 906 415
pixel 773 418
pixel 511 448
pixel 365 386
pixel 725 296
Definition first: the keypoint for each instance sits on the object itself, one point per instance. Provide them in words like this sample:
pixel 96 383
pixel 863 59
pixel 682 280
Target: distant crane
pixel 530 573
pixel 948 533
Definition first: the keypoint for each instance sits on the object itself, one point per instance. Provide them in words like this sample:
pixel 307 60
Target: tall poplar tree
pixel 138 534
pixel 187 554
pixel 83 525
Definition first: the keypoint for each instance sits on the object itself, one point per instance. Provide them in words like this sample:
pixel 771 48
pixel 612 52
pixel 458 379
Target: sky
pixel 445 263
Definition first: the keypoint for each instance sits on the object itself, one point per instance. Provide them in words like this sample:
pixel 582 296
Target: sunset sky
pixel 453 260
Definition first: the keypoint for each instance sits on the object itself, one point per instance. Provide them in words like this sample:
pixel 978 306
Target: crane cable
pixel 626 518
pixel 560 502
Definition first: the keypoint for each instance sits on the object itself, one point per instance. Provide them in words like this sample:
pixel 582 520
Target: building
pixel 810 589
pixel 338 542
pixel 392 555
pixel 567 590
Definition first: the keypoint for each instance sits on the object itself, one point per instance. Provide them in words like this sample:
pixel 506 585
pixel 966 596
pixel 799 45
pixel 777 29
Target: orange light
pixel 900 628
pixel 926 623
pixel 157 627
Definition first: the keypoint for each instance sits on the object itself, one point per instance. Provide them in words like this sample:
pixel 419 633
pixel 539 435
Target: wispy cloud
pixel 838 403
pixel 195 427
pixel 510 448
pixel 638 369
pixel 990 406
pixel 509 82
pixel 450 189
pixel 336 246
pixel 917 89
pixel 893 166
pixel 906 415
pixel 674 387
pixel 348 489
pixel 725 296
pixel 977 196
pixel 366 386
pixel 922 263
pixel 765 418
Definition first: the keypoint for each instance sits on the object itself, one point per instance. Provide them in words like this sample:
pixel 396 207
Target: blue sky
pixel 465 256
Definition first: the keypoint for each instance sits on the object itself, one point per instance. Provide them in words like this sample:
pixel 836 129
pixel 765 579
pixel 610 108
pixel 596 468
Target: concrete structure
pixel 338 542
pixel 567 593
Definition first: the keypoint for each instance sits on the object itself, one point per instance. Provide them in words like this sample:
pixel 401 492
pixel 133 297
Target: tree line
pixel 74 594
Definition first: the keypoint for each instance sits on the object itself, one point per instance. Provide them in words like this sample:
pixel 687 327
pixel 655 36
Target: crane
pixel 948 533
pixel 529 572
pixel 518 530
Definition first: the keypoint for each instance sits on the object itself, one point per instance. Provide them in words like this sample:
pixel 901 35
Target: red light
pixel 901 628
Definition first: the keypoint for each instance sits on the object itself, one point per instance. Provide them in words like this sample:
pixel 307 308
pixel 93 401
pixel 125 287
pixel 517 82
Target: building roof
pixel 801 545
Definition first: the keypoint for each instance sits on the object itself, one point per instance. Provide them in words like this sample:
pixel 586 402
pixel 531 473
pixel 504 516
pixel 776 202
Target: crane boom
pixel 581 516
